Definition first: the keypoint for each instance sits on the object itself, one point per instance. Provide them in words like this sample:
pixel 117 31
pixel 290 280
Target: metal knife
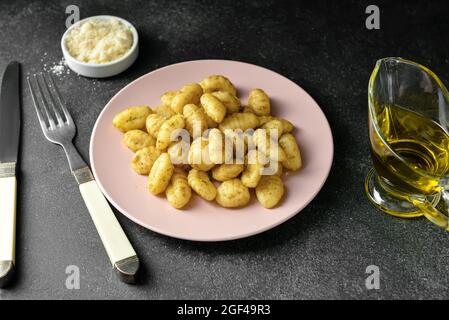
pixel 9 147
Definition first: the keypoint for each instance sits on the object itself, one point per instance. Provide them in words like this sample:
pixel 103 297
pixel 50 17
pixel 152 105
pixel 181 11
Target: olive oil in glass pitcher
pixel 408 117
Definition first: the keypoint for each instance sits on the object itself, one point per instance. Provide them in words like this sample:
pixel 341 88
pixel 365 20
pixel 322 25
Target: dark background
pixel 323 252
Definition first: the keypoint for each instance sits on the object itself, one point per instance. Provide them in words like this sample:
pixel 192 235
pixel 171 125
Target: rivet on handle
pixel 7 169
pixel 83 175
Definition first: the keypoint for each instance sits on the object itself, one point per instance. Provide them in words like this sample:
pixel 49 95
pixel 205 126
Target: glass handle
pixel 438 214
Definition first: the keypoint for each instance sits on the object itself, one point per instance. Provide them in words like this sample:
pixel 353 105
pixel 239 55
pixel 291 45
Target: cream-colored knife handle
pixel 8 187
pixel 119 249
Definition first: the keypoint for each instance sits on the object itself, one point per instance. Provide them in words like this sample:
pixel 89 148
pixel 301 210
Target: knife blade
pixel 9 147
pixel 10 113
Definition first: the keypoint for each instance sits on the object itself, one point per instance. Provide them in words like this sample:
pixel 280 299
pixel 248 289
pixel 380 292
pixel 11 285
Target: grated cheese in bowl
pixel 99 41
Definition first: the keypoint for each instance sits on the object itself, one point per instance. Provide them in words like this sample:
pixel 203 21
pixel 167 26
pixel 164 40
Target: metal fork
pixel 60 129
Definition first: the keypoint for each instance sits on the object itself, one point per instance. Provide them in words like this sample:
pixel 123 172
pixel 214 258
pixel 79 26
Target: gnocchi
pixel 218 83
pixel 144 159
pixel 168 128
pixel 153 124
pixel 193 89
pixel 287 126
pixel 241 121
pixel 132 118
pixel 226 171
pixel 178 191
pixel 213 107
pixel 190 93
pixel 138 139
pixel 199 155
pixel 200 183
pixel 224 142
pixel 160 174
pixel 270 191
pixel 292 159
pixel 259 102
pixel 167 98
pixel 252 174
pixel 195 120
pixel 179 152
pixel 232 194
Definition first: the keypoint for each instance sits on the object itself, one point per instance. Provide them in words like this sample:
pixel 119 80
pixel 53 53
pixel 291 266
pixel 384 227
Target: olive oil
pixel 412 151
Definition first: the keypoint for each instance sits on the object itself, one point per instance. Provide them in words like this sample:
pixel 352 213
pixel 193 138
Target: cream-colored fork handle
pixel 117 245
pixel 8 187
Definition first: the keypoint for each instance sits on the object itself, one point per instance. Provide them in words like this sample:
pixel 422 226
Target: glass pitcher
pixel 408 117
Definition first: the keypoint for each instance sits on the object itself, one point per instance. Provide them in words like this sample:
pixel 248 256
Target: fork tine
pixel 52 101
pixel 44 103
pixel 58 97
pixel 36 106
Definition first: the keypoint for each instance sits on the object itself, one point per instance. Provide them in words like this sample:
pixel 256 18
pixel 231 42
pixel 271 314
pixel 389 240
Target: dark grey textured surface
pixel 322 252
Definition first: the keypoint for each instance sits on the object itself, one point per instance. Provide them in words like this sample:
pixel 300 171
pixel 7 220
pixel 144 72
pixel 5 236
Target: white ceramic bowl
pixel 97 70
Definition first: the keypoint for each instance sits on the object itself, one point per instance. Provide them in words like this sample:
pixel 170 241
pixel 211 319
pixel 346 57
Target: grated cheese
pixel 99 41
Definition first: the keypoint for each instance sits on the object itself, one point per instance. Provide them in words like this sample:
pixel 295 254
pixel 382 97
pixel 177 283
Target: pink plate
pixel 202 220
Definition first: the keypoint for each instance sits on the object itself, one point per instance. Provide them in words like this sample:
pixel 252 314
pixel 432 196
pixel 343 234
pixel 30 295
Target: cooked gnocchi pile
pixel 201 137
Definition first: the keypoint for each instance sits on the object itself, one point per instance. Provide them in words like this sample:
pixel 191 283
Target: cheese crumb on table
pixel 59 68
pixel 99 41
